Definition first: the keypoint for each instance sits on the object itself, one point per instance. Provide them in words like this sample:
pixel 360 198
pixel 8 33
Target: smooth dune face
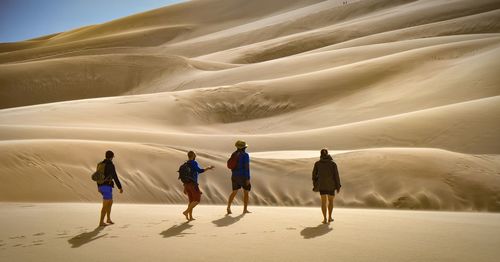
pixel 406 94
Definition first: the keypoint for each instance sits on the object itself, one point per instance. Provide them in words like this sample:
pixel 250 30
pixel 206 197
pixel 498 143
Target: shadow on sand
pixel 227 220
pixel 177 230
pixel 312 232
pixel 85 238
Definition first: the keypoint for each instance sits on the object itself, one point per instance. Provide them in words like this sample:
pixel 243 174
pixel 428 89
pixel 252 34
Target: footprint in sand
pixel 17 237
pixel 63 235
pixel 125 226
pixel 291 228
pixel 36 243
pixel 17 245
pixel 39 234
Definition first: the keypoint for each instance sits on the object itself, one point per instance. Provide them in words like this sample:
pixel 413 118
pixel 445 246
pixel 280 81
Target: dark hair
pixel 324 152
pixel 191 154
pixel 110 154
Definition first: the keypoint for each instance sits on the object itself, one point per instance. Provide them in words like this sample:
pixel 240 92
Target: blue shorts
pixel 106 192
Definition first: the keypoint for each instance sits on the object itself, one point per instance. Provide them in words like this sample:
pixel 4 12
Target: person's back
pixel 243 166
pixel 327 172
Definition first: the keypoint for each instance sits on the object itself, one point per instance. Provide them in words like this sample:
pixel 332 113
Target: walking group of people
pixel 325 177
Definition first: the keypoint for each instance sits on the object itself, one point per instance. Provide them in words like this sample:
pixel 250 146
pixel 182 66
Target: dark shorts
pixel 241 182
pixel 106 192
pixel 327 192
pixel 193 192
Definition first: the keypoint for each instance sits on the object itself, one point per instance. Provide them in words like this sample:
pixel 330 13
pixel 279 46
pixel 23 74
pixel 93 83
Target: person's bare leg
pixel 330 207
pixel 230 201
pixel 245 202
pixel 186 212
pixel 323 207
pixel 193 204
pixel 108 212
pixel 103 213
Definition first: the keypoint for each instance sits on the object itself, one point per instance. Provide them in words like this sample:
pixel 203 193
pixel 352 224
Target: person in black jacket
pixel 106 188
pixel 326 180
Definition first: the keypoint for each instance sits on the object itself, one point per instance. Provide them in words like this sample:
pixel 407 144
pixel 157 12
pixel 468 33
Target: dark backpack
pixel 232 162
pixel 186 173
pixel 99 176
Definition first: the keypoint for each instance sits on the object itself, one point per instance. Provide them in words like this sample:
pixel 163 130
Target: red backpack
pixel 232 162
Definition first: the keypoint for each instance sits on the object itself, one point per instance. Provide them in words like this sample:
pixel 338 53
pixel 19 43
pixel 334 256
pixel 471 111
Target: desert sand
pixel 405 94
pixel 68 232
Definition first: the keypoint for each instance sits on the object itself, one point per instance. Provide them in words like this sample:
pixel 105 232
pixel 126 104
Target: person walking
pixel 106 188
pixel 326 180
pixel 191 188
pixel 240 177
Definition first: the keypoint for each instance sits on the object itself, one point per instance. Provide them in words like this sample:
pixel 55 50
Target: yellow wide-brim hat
pixel 240 144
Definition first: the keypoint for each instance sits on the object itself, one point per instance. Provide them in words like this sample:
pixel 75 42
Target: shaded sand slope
pixel 156 232
pixel 408 90
pixel 390 178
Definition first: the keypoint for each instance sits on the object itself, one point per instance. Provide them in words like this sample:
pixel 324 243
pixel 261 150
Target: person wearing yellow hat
pixel 240 178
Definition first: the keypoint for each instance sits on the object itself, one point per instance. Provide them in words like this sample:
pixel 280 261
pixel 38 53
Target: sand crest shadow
pixel 85 238
pixel 177 230
pixel 227 220
pixel 312 232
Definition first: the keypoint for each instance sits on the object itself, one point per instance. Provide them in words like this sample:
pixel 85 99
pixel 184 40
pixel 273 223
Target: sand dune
pixel 406 93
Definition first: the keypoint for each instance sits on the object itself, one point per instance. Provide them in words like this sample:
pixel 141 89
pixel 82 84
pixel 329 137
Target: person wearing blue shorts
pixel 106 188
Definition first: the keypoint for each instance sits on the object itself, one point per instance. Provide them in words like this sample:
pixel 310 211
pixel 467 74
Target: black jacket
pixel 110 174
pixel 326 174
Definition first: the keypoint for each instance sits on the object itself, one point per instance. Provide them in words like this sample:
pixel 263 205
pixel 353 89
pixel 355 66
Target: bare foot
pixel 324 221
pixel 246 212
pixel 229 211
pixel 330 220
pixel 185 213
pixel 102 225
pixel 191 219
pixel 110 222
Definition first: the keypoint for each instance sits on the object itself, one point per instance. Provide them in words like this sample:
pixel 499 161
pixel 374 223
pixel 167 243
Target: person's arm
pixel 336 176
pixel 315 173
pixel 197 167
pixel 115 178
pixel 246 165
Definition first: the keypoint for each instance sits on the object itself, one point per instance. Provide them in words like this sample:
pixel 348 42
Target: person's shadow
pixel 312 232
pixel 227 220
pixel 85 238
pixel 177 230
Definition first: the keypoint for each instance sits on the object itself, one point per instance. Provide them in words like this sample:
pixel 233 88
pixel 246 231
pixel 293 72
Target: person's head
pixel 110 154
pixel 241 145
pixel 191 155
pixel 324 152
